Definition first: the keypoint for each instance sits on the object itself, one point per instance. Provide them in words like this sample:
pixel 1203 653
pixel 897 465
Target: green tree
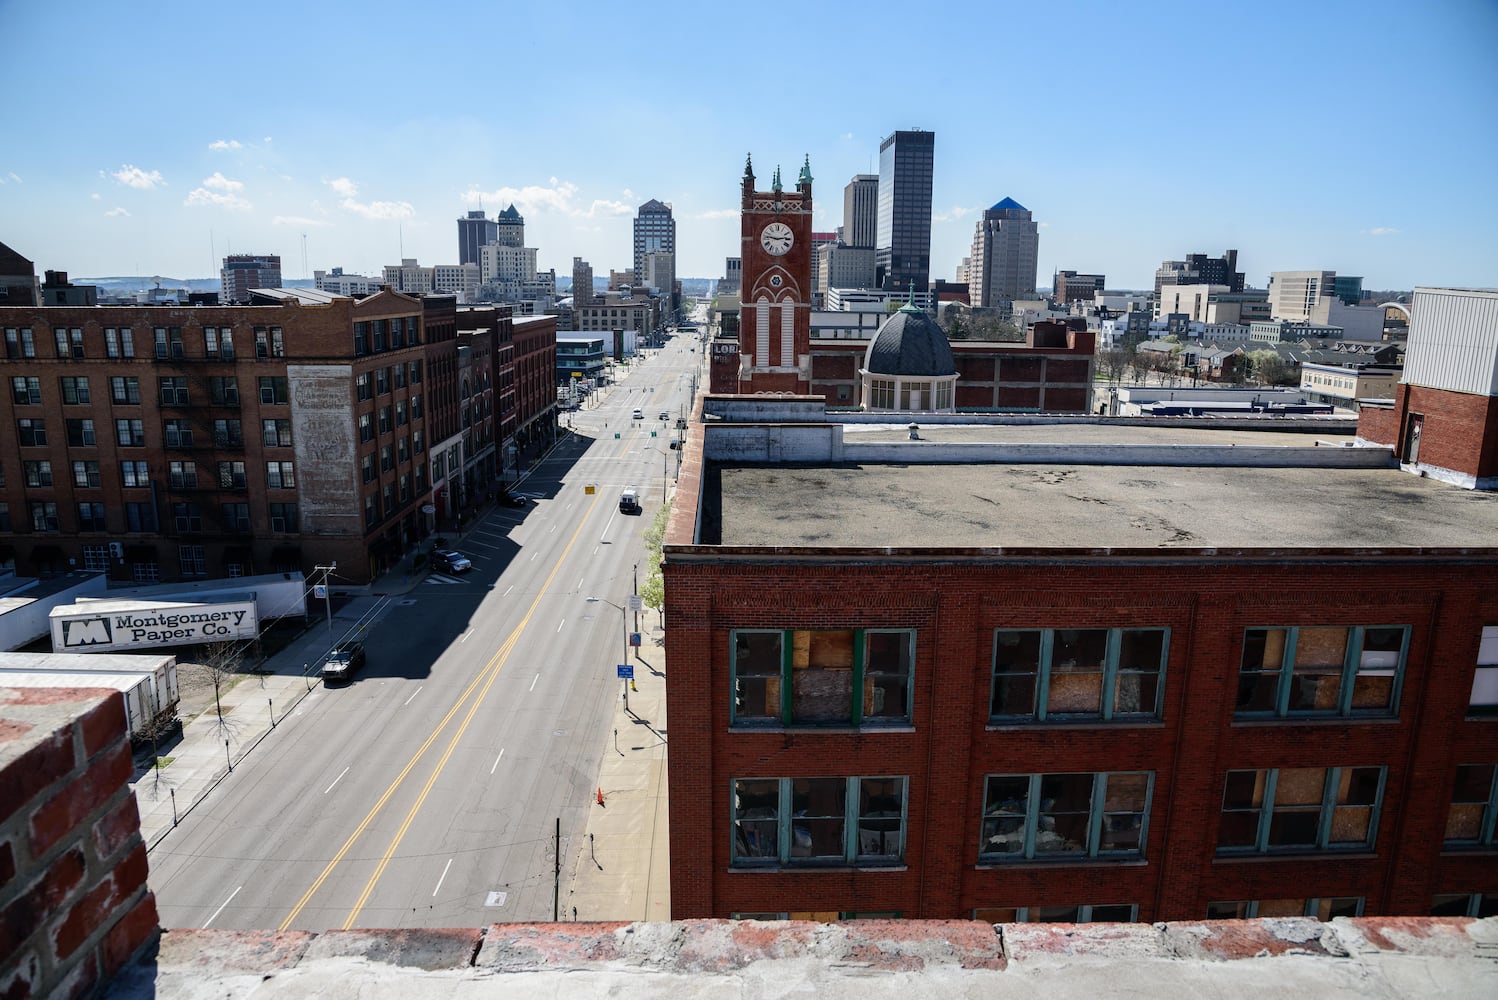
pixel 653 591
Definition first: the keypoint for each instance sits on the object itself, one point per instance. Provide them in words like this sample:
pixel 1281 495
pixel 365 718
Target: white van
pixel 629 501
pixel 639 413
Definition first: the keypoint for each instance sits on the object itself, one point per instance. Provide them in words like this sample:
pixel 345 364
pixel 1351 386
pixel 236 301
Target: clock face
pixel 776 239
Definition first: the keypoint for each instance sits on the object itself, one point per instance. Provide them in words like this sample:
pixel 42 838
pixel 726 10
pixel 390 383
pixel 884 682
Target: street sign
pixel 626 670
pixel 590 489
pixel 634 638
pixel 319 591
pixel 427 508
pixel 636 602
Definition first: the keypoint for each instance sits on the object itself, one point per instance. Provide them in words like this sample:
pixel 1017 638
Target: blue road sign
pixel 634 638
pixel 626 670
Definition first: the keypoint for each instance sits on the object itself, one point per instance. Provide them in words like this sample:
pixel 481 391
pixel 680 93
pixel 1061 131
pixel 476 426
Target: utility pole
pixel 556 885
pixel 327 594
pixel 637 594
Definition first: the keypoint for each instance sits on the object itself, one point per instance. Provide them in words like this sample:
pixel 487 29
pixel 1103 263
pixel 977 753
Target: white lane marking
pixel 413 696
pixel 335 781
pixel 534 680
pixel 580 583
pixel 221 908
pixel 507 590
pixel 551 529
pixel 560 624
pixel 534 555
pixel 464 637
pixel 444 875
pixel 497 760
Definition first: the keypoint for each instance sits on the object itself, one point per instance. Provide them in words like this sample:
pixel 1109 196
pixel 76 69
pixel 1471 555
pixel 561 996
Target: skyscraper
pixel 902 239
pixel 473 232
pixel 861 210
pixel 509 228
pixel 243 272
pixel 1006 247
pixel 655 232
pixel 1199 269
pixel 582 283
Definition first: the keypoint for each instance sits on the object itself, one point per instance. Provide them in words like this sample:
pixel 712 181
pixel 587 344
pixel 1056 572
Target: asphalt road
pixel 426 792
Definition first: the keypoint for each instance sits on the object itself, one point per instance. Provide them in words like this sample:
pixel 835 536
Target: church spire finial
pixel 776 185
pixel 805 177
pixel 748 165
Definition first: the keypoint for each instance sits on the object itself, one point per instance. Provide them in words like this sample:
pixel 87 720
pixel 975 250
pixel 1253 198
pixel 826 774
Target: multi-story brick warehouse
pixel 168 443
pixel 945 679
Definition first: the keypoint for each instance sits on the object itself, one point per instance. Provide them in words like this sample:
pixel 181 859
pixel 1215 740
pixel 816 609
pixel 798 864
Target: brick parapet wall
pixel 74 905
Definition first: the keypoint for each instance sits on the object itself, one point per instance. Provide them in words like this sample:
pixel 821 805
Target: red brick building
pixel 1055 678
pixel 164 443
pixel 775 353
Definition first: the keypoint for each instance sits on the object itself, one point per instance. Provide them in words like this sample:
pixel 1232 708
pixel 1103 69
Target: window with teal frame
pixel 1322 670
pixel 1298 809
pixel 1074 674
pixel 822 677
pixel 1473 815
pixel 818 821
pixel 1060 816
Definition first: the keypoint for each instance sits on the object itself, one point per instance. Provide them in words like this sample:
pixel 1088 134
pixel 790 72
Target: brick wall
pixel 1206 602
pixel 74 905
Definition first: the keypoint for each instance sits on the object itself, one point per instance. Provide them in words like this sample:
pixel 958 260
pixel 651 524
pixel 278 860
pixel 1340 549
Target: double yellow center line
pixel 480 684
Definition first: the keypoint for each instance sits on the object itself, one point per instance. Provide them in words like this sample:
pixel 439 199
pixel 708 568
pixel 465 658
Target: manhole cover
pixel 496 899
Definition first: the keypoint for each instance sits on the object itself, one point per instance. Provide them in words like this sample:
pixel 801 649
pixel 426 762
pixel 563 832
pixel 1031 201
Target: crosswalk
pixel 442 578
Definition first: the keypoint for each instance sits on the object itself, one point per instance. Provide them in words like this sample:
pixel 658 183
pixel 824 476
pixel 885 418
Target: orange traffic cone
pixel 600 795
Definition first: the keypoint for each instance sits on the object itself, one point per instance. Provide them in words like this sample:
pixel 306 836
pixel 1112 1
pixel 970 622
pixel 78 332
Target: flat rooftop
pixel 1304 433
pixel 994 505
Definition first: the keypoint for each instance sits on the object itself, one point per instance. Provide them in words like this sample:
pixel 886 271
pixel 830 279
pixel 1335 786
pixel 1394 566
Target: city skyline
pixel 122 173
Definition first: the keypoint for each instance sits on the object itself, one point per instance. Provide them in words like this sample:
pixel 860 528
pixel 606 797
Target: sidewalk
pixel 622 870
pixel 620 866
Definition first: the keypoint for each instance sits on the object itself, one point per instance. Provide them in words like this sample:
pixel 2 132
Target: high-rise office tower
pixel 245 271
pixel 861 210
pixel 509 228
pixel 1006 247
pixel 655 232
pixel 582 283
pixel 1199 269
pixel 902 241
pixel 473 232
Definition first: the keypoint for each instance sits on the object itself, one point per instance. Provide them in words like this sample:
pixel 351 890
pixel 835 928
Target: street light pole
pixel 327 594
pixel 624 624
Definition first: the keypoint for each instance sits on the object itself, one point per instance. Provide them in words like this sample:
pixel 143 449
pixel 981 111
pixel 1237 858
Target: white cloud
pixel 847 135
pixel 96 196
pixel 953 214
pixel 229 200
pixel 266 140
pixel 556 196
pixel 221 183
pixel 298 220
pixel 380 209
pixel 225 144
pixel 720 213
pixel 627 193
pixel 133 176
pixel 117 213
pixel 1381 231
pixel 12 176
pixel 343 186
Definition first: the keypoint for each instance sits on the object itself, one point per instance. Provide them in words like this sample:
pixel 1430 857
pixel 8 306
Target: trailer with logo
pixel 147 683
pixel 102 626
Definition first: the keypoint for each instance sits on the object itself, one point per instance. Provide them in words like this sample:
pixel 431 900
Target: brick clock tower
pixel 775 309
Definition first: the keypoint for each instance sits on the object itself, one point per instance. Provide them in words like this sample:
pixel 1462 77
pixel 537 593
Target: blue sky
pixel 1359 137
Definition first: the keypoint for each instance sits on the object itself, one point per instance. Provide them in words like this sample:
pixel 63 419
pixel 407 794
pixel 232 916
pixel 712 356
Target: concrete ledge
pixel 1374 956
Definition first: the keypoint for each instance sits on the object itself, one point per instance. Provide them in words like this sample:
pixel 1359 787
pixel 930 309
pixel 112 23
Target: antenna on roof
pixel 400 234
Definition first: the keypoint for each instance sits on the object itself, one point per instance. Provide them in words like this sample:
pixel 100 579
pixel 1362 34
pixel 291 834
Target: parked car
pixel 513 500
pixel 449 561
pixel 343 661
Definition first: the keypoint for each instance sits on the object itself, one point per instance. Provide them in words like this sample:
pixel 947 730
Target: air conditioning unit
pixel 117 550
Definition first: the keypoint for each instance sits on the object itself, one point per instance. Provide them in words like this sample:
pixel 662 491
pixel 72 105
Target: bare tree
pixel 1113 363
